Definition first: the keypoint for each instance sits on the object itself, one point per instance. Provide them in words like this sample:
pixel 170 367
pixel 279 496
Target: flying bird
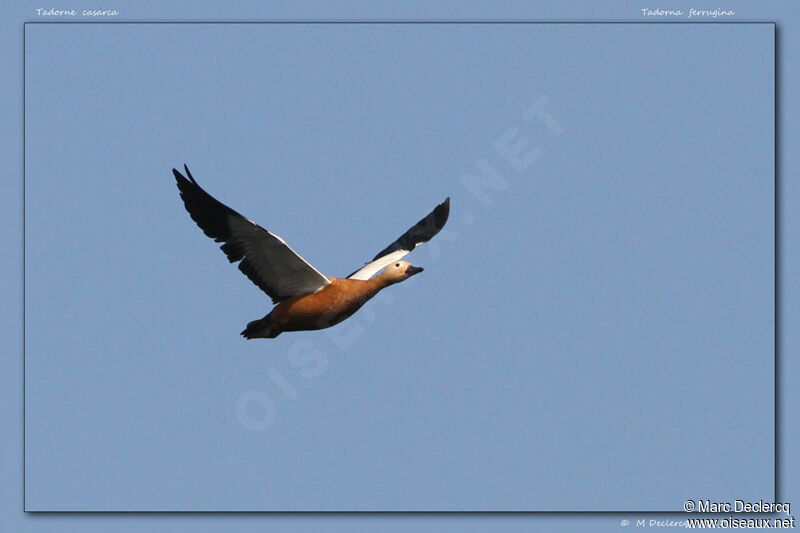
pixel 304 298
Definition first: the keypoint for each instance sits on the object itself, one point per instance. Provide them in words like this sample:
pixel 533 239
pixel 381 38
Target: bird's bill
pixel 411 270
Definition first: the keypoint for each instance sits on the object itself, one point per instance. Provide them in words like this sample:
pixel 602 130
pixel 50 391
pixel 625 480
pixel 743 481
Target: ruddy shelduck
pixel 304 298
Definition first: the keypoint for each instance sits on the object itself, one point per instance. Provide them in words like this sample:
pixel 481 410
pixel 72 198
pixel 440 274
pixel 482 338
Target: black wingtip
pixel 180 179
pixel 189 174
pixel 442 213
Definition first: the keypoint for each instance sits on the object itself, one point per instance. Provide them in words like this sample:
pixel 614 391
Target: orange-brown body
pixel 328 306
pixel 318 310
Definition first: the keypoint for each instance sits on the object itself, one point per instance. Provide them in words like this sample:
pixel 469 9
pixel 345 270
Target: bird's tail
pixel 263 328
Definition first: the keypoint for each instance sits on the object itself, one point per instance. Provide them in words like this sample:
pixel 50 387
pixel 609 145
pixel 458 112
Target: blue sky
pixel 594 326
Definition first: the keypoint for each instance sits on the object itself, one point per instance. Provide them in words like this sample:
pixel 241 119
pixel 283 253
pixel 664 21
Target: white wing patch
pixel 370 269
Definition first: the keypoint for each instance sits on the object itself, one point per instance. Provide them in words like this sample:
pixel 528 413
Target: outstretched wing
pixel 419 233
pixel 265 258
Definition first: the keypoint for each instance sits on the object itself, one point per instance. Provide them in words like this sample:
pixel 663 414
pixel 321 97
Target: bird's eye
pixel 397 265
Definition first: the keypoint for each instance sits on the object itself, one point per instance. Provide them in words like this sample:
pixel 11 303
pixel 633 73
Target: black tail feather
pixel 262 328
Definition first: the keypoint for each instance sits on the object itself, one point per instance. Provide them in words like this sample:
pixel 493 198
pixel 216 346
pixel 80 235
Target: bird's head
pixel 399 271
